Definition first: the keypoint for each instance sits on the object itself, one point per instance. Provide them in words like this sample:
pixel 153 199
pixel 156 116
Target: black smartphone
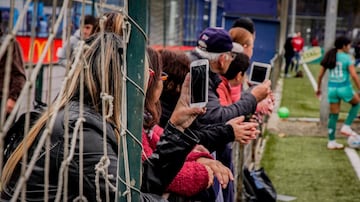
pixel 259 72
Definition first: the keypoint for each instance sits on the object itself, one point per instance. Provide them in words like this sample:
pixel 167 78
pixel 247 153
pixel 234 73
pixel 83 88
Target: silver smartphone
pixel 259 72
pixel 199 82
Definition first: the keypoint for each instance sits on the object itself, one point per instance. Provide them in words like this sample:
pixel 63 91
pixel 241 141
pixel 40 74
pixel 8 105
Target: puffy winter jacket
pixel 193 176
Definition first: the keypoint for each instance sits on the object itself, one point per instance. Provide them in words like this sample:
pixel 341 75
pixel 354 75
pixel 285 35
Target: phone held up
pixel 199 81
pixel 259 72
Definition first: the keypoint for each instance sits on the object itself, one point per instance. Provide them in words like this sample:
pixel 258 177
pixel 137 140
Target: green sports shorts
pixel 336 94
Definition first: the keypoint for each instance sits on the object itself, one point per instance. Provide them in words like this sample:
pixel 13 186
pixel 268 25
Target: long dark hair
pixel 329 61
pixel 152 106
pixel 176 65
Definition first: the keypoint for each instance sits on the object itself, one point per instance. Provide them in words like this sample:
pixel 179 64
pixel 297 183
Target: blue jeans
pixel 297 61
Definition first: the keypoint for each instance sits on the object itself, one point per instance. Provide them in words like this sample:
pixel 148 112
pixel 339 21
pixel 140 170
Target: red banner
pixel 39 46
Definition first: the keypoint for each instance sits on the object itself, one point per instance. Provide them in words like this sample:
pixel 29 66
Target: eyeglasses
pixel 233 55
pixel 163 75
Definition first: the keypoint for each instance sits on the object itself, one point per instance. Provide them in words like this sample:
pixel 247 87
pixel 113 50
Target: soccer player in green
pixel 341 66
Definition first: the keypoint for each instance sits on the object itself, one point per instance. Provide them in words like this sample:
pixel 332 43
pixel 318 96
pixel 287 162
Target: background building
pixel 179 22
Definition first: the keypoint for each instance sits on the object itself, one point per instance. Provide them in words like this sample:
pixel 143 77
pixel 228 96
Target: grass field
pixel 302 167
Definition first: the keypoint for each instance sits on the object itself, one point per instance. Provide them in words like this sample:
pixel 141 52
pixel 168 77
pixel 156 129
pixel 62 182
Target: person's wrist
pixel 174 125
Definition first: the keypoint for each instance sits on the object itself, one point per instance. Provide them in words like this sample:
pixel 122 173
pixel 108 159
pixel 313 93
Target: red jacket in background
pixel 298 43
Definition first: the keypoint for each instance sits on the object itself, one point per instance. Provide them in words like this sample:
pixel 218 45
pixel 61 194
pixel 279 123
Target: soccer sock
pixel 332 126
pixel 352 114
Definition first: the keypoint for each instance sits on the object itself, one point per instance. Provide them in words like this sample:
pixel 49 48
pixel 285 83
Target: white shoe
pixel 354 141
pixel 347 131
pixel 333 145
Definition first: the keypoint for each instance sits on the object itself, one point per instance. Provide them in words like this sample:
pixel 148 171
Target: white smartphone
pixel 259 72
pixel 199 82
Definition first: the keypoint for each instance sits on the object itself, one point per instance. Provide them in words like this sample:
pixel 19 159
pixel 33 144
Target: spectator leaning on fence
pixel 193 176
pixel 216 45
pixel 157 173
pixel 229 92
pixel 160 168
pixel 176 65
pixel 246 40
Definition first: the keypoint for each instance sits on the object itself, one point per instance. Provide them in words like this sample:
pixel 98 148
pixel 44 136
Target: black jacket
pixel 289 50
pixel 215 112
pixel 158 171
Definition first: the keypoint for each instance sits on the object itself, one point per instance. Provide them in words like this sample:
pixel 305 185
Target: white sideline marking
pixel 310 76
pixel 281 197
pixel 354 159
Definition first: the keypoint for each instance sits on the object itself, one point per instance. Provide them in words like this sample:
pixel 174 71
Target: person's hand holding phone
pixel 262 90
pixel 183 115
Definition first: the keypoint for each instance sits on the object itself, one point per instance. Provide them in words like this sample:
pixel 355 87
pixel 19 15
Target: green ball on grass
pixel 283 112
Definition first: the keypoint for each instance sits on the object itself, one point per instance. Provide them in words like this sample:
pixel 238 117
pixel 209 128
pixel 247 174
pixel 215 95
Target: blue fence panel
pixel 194 22
pixel 267 34
pixel 251 7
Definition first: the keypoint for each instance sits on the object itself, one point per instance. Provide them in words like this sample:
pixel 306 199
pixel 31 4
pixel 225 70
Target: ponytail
pixel 329 60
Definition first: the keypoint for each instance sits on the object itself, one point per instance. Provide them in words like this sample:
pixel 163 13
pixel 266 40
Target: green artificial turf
pixel 299 97
pixel 303 167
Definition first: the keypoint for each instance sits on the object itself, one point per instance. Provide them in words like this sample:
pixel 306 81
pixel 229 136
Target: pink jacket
pixel 193 176
pixel 228 94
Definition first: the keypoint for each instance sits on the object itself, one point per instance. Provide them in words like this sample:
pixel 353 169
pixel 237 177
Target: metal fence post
pixel 138 11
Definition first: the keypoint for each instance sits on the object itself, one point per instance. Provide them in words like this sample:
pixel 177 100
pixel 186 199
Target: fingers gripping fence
pixel 100 169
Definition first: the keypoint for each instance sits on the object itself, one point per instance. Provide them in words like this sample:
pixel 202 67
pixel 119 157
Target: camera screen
pixel 258 73
pixel 198 84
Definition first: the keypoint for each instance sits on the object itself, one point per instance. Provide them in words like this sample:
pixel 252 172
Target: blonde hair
pixel 91 63
pixel 113 23
pixel 241 36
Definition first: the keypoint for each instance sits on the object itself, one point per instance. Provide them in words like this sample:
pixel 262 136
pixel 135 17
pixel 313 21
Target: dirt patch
pixel 303 127
pixel 297 127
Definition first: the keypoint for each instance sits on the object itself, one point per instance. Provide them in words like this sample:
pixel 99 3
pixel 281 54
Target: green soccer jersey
pixel 340 76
